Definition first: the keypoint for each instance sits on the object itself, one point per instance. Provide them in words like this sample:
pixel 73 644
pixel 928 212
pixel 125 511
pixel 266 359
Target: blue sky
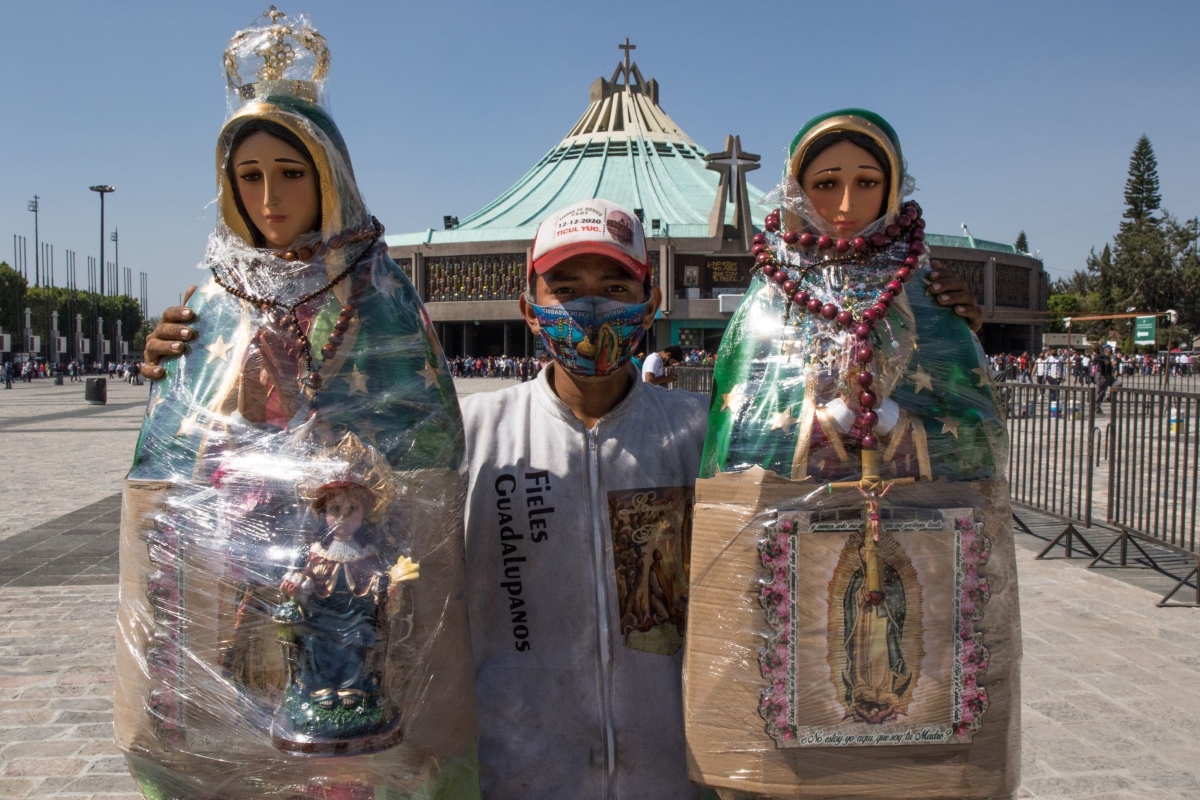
pixel 1012 115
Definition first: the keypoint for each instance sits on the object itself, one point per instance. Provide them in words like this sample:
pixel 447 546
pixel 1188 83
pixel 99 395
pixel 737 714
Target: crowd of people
pixel 527 368
pixel 520 368
pixel 1072 366
pixel 74 371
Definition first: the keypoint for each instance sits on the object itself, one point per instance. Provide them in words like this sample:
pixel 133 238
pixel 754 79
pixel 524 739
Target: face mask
pixel 591 336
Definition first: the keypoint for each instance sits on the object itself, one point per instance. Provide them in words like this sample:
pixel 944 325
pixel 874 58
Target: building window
pixel 406 265
pixel 970 271
pixel 701 276
pixel 1012 286
pixel 492 276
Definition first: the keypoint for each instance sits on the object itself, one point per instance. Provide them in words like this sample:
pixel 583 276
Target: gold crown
pixel 280 46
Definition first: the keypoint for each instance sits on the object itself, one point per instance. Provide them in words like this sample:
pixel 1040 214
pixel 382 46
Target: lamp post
pixel 37 275
pixel 102 189
pixel 116 261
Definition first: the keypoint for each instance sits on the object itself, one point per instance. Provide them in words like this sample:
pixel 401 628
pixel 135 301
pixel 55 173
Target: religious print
pixel 651 535
pixel 886 659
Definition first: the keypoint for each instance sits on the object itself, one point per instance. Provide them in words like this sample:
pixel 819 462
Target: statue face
pixel 845 185
pixel 344 513
pixel 278 188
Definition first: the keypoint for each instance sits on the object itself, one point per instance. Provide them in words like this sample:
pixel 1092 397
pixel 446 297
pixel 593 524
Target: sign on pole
pixel 1145 330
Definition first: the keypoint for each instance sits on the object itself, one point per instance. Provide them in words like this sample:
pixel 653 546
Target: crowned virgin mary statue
pixel 292 620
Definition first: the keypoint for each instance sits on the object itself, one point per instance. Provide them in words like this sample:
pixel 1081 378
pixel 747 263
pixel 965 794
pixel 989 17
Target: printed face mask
pixel 591 336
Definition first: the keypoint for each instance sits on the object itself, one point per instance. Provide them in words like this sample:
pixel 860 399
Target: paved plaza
pixel 1110 697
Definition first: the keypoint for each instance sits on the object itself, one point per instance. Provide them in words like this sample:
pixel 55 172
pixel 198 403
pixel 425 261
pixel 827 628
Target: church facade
pixel 699 212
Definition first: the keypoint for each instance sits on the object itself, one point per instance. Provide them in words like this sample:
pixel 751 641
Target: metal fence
pixel 694 378
pixel 1062 442
pixel 1153 489
pixel 1052 451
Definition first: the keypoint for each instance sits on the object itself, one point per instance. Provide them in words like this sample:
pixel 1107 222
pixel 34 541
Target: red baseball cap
pixel 591 226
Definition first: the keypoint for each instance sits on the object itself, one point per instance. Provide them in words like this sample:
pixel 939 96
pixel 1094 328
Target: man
pixel 1102 374
pixel 654 370
pixel 575 479
pixel 578 527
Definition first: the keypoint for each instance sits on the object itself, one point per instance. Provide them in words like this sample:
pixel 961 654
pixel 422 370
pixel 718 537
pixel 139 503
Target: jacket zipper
pixel 604 623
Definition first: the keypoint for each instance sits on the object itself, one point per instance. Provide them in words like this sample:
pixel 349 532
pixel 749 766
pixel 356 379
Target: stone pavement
pixel 1110 681
pixel 59 453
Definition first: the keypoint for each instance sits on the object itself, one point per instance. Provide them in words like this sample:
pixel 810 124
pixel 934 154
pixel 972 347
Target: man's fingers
pixel 191 290
pixel 178 314
pixel 958 298
pixel 153 373
pixel 948 283
pixel 157 349
pixel 172 333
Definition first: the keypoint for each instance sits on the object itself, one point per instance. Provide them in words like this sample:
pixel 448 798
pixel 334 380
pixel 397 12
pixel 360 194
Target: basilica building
pixel 699 212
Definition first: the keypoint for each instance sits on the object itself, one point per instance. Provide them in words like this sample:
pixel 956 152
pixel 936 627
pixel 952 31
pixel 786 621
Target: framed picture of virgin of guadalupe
pixel 851 666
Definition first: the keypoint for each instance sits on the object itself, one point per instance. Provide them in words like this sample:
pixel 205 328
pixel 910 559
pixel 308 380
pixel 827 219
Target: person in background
pixel 654 370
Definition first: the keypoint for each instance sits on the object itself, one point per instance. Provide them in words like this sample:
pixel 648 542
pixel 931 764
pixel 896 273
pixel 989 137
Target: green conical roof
pixel 624 148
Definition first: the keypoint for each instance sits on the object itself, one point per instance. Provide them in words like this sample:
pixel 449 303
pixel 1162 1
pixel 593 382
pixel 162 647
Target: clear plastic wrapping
pixel 293 621
pixel 853 622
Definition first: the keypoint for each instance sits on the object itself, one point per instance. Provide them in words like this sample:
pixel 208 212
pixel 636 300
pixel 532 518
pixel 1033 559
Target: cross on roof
pixel 627 47
pixel 625 66
pixel 732 163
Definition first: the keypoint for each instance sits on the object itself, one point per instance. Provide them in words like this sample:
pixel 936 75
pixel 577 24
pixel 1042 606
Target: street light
pixel 102 189
pixel 116 261
pixel 37 274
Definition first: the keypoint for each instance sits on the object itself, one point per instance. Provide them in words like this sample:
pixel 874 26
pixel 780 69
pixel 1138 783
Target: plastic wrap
pixel 292 620
pixel 853 621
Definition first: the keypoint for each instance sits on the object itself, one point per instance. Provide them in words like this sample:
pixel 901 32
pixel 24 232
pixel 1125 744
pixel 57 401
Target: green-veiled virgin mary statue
pixel 292 621
pixel 855 628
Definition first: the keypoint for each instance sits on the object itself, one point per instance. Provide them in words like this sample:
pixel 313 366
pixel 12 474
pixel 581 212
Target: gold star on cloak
pixel 358 382
pixel 984 377
pixel 186 426
pixel 733 400
pixel 922 379
pixel 211 289
pixel 949 425
pixel 386 283
pixel 430 374
pixel 369 431
pixel 156 401
pixel 218 350
pixel 783 419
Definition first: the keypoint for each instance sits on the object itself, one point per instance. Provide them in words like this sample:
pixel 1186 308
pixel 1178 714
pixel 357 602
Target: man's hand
pixel 167 338
pixel 947 289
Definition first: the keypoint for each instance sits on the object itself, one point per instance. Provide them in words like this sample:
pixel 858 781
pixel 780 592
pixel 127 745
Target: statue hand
pixel 405 569
pixel 295 584
pixel 167 338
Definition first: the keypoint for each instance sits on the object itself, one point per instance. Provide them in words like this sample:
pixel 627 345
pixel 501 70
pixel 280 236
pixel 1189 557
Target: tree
pixel 1022 242
pixel 1059 306
pixel 1141 189
pixel 12 301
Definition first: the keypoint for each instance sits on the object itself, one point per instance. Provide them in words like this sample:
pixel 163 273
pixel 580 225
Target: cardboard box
pixel 729 746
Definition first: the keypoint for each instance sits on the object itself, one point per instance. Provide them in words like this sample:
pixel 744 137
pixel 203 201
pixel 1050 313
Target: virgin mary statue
pixel 264 621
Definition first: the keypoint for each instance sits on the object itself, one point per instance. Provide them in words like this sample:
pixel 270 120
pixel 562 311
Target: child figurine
pixel 334 626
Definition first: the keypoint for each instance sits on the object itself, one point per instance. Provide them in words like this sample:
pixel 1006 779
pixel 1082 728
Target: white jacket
pixel 578 672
